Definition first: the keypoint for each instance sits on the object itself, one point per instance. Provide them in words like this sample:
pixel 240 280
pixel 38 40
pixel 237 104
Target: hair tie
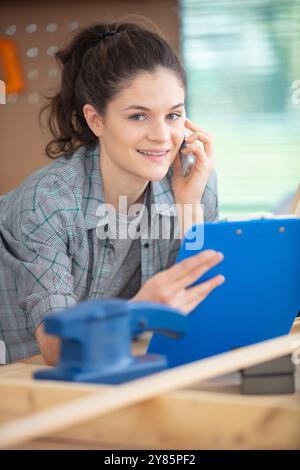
pixel 108 33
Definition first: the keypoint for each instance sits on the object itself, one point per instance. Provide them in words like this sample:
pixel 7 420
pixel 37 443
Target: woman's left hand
pixel 189 189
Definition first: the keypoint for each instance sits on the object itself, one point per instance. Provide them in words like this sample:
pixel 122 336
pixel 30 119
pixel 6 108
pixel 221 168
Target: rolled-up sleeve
pixel 36 243
pixel 52 303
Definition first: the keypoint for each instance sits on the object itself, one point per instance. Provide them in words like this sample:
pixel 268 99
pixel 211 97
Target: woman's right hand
pixel 169 287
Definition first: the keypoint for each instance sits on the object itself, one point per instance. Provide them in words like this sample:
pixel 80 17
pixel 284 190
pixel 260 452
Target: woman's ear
pixel 94 121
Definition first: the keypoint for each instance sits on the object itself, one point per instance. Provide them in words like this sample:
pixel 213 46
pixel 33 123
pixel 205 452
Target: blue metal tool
pixel 96 340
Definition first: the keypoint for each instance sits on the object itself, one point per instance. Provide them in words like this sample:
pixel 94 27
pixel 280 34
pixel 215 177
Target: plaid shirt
pixel 51 255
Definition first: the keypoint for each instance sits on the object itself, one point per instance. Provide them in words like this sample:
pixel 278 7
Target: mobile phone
pixel 187 161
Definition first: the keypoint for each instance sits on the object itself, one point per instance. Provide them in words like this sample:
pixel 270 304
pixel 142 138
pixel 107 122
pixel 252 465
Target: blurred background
pixel 243 66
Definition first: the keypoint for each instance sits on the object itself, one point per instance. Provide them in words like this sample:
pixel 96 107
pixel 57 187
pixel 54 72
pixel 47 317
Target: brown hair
pixel 95 70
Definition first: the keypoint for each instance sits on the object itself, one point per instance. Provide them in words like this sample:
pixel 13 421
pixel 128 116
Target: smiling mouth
pixel 157 157
pixel 153 154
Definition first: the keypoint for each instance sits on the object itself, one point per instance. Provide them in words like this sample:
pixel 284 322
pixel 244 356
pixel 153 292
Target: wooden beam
pixel 212 416
pixel 121 396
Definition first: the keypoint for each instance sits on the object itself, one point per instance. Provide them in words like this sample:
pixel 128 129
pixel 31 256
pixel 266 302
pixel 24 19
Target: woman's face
pixel 147 116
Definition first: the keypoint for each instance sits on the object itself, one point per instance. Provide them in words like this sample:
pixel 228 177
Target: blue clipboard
pixel 259 299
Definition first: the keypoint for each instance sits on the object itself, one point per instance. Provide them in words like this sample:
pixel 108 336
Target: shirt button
pixel 146 245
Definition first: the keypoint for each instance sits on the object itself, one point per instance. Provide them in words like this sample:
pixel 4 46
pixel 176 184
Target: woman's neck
pixel 118 183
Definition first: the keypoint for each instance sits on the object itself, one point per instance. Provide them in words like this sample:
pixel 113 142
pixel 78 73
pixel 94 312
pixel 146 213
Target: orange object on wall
pixel 13 76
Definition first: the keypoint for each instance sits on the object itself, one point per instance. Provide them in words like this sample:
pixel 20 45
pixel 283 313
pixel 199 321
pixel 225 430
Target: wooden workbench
pixel 213 415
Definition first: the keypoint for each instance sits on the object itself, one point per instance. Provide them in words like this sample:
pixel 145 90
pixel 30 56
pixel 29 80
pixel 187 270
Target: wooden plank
pixel 78 410
pixel 24 397
pixel 189 419
pixel 66 444
pixel 196 419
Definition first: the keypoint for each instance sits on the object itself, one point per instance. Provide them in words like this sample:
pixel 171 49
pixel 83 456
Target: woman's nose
pixel 160 132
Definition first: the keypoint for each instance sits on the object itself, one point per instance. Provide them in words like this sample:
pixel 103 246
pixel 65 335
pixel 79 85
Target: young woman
pixel 117 121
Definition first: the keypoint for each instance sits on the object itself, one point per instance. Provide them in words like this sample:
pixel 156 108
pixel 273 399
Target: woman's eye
pixel 135 116
pixel 174 114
